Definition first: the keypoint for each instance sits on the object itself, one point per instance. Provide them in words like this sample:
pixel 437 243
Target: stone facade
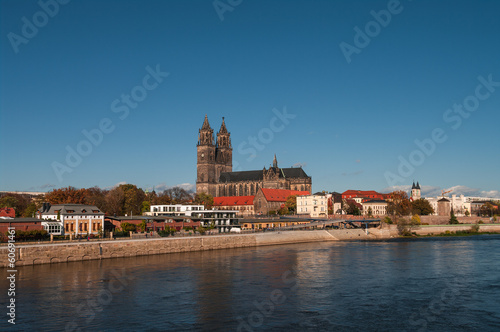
pixel 214 169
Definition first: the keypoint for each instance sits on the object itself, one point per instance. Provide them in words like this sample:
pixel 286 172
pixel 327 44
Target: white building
pixel 313 205
pixel 460 204
pixel 377 207
pixel 173 210
pixel 77 219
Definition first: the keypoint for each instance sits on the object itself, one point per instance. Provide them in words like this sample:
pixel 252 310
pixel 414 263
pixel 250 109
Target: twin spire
pixel 206 125
pixel 206 135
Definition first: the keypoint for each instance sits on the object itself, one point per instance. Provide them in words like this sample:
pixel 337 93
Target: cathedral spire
pixel 223 129
pixel 206 125
pixel 275 161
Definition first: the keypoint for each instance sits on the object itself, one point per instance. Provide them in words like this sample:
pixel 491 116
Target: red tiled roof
pixel 280 195
pixel 233 200
pixel 362 193
pixel 7 212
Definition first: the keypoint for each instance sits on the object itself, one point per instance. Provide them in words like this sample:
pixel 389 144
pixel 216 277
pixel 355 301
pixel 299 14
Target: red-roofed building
pixel 360 195
pixel 272 199
pixel 7 212
pixel 243 204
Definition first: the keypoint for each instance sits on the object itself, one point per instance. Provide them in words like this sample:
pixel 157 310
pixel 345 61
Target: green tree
pixel 8 201
pixel 141 226
pixel 421 207
pixel 146 206
pixel 133 199
pixel 128 227
pixel 453 219
pixel 370 212
pixel 30 210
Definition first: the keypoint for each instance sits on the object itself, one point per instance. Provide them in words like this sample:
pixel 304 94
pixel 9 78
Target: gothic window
pixel 302 188
pixel 240 190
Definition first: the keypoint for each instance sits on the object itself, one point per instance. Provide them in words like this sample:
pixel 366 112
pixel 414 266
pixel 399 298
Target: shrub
pixel 415 220
pixel 128 227
pixel 120 234
pixel 475 228
pixel 387 220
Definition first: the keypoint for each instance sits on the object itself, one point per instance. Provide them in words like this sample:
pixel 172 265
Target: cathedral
pixel 215 165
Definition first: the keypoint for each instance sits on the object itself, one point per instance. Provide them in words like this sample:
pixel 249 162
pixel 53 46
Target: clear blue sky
pixel 352 120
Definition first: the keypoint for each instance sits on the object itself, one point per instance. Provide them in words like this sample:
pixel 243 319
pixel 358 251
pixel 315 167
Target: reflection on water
pixel 427 284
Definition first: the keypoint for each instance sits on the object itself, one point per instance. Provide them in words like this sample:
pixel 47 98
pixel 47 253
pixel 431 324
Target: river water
pixel 430 284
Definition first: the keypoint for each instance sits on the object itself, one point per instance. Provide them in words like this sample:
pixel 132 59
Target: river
pixel 428 284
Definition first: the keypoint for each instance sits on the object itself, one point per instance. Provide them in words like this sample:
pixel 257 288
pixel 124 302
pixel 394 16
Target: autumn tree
pixel 115 199
pixel 205 199
pixel 133 199
pixel 421 207
pixel 291 203
pixel 399 205
pixel 68 195
pixel 96 196
pixel 16 201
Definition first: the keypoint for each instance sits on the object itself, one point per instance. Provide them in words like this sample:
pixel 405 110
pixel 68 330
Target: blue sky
pixel 355 117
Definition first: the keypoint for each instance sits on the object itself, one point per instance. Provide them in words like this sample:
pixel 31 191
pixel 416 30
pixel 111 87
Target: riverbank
pixel 95 250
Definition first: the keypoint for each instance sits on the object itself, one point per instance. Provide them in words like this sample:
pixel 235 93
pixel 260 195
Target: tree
pixel 421 207
pixel 205 199
pixel 370 212
pixel 453 220
pixel 142 226
pixel 115 199
pixel 146 206
pixel 30 210
pixel 291 203
pixel 16 201
pixel 128 227
pixel 133 198
pixel 68 195
pixel 96 196
pixel 179 195
pixel 350 207
pixel 399 204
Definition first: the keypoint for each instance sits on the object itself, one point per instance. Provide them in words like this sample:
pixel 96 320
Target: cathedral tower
pixel 224 151
pixel 206 174
pixel 415 192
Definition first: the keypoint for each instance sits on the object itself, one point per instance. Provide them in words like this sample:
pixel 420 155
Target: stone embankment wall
pixel 438 229
pixel 60 253
pixel 443 220
pixel 80 251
